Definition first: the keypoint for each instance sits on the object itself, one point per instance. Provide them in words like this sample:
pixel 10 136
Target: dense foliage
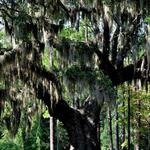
pixel 86 63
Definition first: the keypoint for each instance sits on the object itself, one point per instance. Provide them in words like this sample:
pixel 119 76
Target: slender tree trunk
pixel 138 133
pixel 110 129
pixel 123 126
pixel 98 133
pixel 51 121
pixel 148 138
pixel 57 136
pixel 116 128
pixel 129 115
pixel 86 30
pixel 147 146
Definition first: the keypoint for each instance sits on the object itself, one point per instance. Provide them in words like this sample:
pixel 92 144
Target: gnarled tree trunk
pixel 81 125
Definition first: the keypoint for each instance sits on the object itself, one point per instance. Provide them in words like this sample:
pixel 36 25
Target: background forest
pixel 74 75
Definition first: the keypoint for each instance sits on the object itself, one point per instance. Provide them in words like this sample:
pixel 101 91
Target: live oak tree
pixel 114 49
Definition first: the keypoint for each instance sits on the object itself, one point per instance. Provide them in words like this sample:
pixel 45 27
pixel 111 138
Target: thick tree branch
pixel 117 76
pixel 128 33
pixel 133 71
pixel 72 119
pixel 114 45
pixel 31 71
pixel 106 40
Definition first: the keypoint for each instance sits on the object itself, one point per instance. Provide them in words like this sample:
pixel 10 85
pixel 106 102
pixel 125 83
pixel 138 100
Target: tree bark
pixel 110 129
pixel 116 128
pixel 81 127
